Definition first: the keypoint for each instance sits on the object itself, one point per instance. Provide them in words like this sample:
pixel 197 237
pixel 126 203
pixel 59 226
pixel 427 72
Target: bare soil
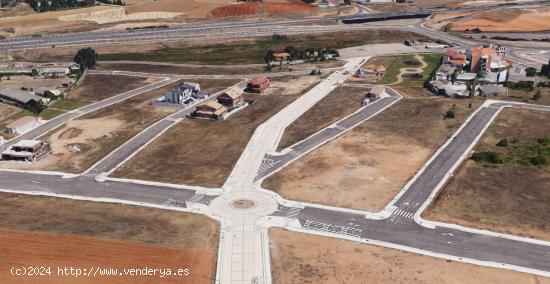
pixel 339 103
pixel 213 70
pixel 383 61
pixel 46 231
pixel 28 82
pixel 509 198
pixel 502 20
pixel 104 130
pixel 204 150
pixel 373 162
pixel 301 258
pixel 97 87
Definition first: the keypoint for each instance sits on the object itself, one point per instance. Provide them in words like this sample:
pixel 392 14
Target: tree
pixel 86 58
pixel 269 58
pixel 34 72
pixel 36 107
pixel 545 70
pixel 530 71
pixel 537 96
pixel 450 114
pixel 503 143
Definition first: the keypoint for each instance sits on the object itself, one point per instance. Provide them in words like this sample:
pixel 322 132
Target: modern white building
pixel 184 92
pixel 22 125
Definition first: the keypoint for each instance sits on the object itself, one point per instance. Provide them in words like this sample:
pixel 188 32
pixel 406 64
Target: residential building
pixel 210 110
pixel 492 90
pixel 21 98
pixel 54 71
pixel 22 125
pixel 183 93
pixel 445 72
pixel 27 150
pixel 376 92
pixel 257 85
pixel 232 97
pixel 455 58
pixel 42 90
pixel 448 89
pixel 371 70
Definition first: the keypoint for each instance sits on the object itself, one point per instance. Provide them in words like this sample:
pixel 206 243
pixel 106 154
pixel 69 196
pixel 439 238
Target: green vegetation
pixel 68 104
pixel 522 85
pixel 253 52
pixel 55 5
pixel 450 114
pixel 86 58
pixel 488 157
pixel 409 61
pixel 49 113
pixel 527 154
pixel 503 143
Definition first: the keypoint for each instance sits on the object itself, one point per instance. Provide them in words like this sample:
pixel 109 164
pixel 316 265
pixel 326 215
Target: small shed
pixel 257 85
pixel 231 97
pixel 376 92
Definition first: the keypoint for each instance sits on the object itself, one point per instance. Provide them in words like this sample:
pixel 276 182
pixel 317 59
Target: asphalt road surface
pixel 272 163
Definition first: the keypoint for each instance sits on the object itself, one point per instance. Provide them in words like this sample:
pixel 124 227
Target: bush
pixel 503 143
pixel 537 96
pixel 538 161
pixel 450 114
pixel 521 85
pixel 489 157
pixel 530 71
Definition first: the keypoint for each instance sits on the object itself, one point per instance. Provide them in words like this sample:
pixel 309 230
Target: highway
pixel 399 225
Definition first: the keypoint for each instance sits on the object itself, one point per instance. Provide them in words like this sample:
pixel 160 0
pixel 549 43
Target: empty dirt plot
pixel 502 20
pixel 45 231
pixel 364 168
pixel 274 8
pixel 81 142
pixel 511 196
pixel 340 261
pixel 97 87
pixel 191 69
pixel 205 151
pixel 339 103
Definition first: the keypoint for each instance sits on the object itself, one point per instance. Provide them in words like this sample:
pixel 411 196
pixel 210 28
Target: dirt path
pixel 409 70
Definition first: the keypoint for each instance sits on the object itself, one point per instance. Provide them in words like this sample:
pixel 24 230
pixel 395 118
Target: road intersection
pixel 244 254
pixel 246 211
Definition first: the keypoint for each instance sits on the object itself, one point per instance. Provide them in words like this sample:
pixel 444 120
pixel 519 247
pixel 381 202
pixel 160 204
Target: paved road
pixel 64 118
pixel 132 146
pixel 398 229
pixel 273 163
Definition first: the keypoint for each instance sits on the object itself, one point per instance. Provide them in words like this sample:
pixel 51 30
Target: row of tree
pixel 53 5
pixel 308 54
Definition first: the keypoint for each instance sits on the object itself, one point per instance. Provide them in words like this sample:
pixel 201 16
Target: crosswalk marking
pixel 293 213
pixel 266 164
pixel 404 214
pixel 331 228
pixel 196 198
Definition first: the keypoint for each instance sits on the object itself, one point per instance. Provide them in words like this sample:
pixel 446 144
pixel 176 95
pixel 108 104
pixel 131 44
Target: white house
pixel 184 92
pixel 22 125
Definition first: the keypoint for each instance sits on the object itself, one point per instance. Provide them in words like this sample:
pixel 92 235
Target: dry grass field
pixel 205 150
pixel 504 20
pixel 299 258
pixel 364 168
pixel 97 87
pixel 82 142
pixel 339 103
pixel 45 231
pixel 510 197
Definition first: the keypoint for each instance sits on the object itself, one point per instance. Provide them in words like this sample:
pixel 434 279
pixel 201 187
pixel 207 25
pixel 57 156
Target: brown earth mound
pixel 70 133
pixel 245 9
